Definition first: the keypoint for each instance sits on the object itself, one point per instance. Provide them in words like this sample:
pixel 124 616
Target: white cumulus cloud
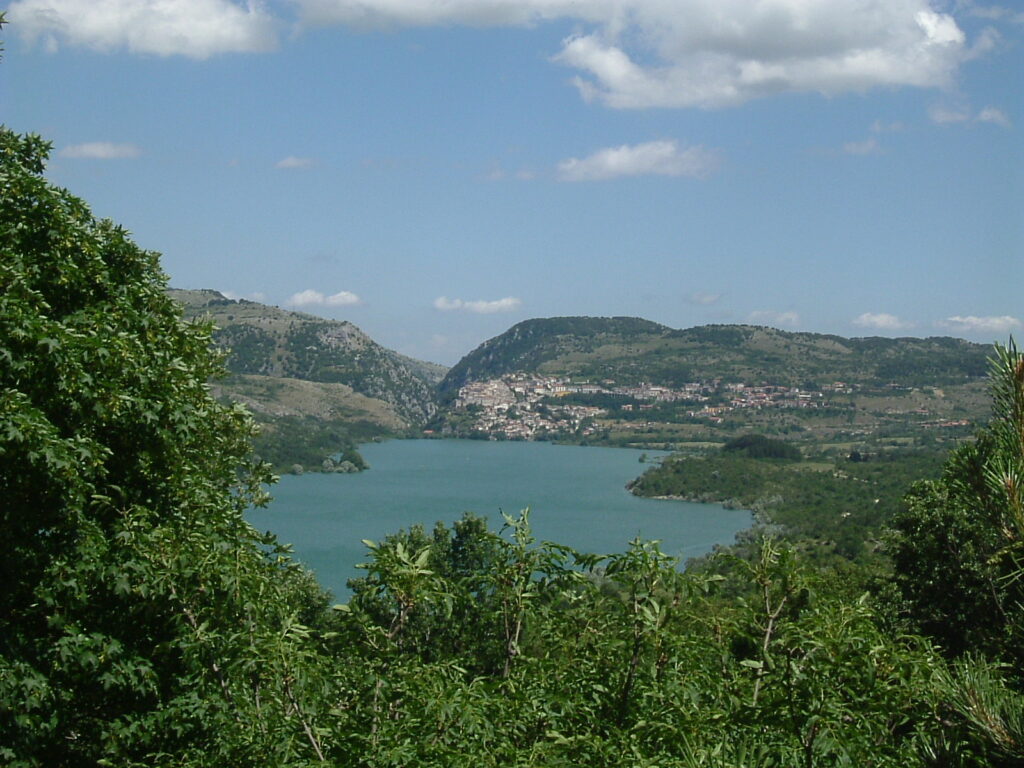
pixel 708 53
pixel 194 28
pixel 975 324
pixel 661 158
pixel 769 317
pixel 881 321
pixel 100 150
pixel 311 297
pixel 291 162
pixel 508 304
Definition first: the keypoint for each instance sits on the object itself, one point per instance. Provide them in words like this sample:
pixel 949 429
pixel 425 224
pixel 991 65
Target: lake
pixel 576 496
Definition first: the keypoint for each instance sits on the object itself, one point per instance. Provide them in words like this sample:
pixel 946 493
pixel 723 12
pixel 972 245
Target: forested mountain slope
pixel 270 342
pixel 546 344
pixel 631 350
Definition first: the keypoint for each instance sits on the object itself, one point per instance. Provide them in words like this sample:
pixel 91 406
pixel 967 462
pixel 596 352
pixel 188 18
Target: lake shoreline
pixel 577 498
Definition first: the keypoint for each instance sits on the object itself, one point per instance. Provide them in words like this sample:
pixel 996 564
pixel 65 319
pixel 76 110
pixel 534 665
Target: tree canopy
pixel 959 545
pixel 144 623
pixel 761 447
pixel 139 610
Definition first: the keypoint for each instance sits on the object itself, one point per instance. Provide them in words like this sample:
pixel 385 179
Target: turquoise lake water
pixel 576 497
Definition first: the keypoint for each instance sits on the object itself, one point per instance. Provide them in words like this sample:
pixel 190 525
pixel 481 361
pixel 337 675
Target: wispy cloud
pixel 944 115
pixel 770 317
pixel 100 150
pixel 993 115
pixel 996 13
pixel 194 28
pixel 291 162
pixel 881 321
pixel 659 158
pixel 254 296
pixel 974 324
pixel 508 304
pixel 310 297
pixel 880 126
pixel 702 298
pixel 866 147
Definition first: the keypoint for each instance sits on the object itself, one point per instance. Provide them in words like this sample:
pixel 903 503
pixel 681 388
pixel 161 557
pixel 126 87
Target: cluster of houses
pixel 512 407
pixel 531 388
pixel 742 396
pixel 525 406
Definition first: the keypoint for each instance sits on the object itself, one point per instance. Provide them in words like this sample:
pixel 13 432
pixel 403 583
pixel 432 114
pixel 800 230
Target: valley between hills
pixel 318 387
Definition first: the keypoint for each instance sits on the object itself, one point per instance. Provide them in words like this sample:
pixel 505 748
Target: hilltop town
pixel 529 406
pixel 522 406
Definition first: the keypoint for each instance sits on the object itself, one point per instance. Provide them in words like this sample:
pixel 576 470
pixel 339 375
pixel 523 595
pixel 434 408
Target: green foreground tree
pixel 141 618
pixel 959 544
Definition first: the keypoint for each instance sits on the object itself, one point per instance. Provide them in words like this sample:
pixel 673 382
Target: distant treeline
pixel 761 447
pixel 312 444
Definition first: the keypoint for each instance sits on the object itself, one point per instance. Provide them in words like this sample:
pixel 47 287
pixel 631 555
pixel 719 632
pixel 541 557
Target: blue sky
pixel 435 172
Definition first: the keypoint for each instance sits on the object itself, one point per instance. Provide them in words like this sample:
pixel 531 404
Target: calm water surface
pixel 576 497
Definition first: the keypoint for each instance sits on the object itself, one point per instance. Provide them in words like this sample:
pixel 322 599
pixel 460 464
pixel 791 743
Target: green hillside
pixel 326 383
pixel 631 350
pixel 316 387
pixel 272 342
pixel 627 381
pixel 552 344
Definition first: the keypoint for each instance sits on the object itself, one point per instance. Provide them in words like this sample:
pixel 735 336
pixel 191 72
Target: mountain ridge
pixel 314 381
pixel 267 341
pixel 631 349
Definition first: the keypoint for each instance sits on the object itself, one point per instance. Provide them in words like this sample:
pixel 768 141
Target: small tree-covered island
pixel 143 622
